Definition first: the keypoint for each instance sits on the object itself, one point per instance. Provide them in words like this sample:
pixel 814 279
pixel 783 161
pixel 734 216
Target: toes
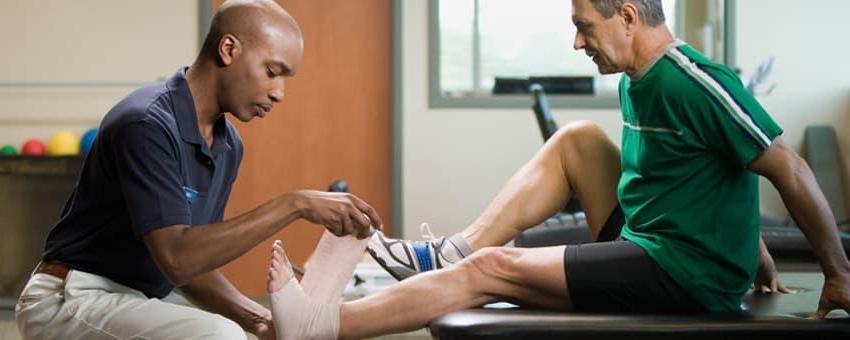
pixel 280 270
pixel 274 283
pixel 281 262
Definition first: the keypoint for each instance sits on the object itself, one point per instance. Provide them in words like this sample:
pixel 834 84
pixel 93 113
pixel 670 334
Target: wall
pixel 65 63
pixel 455 160
pixel 334 123
pixel 812 80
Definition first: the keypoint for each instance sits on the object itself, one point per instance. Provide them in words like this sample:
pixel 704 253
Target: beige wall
pixel 84 42
pixel 811 75
pixel 455 160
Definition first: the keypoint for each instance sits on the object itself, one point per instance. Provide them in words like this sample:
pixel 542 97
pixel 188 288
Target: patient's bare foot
pixel 280 269
pixel 296 316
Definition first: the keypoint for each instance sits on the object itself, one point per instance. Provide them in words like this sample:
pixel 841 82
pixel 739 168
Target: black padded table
pixel 767 316
pixel 784 242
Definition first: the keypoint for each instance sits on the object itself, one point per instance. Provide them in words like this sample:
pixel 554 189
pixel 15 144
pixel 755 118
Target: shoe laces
pixel 425 230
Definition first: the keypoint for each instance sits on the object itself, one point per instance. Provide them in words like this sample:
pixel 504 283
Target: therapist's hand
pixel 341 213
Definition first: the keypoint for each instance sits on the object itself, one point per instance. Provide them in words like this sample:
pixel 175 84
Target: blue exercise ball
pixel 87 141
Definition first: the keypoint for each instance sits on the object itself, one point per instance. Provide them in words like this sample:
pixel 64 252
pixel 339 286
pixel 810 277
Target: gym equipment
pixel 63 143
pixel 339 185
pixel 8 150
pixel 554 84
pixel 822 154
pixel 561 229
pixel 87 141
pixel 789 243
pixel 33 147
pixel 542 112
pixel 565 85
pixel 766 316
pixel 34 190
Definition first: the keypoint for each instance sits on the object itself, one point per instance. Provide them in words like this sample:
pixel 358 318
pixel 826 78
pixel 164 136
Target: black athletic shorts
pixel 614 275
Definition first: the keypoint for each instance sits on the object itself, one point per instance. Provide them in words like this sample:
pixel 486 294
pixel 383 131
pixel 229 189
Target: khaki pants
pixel 88 306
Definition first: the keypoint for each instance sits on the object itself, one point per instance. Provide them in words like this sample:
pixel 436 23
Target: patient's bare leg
pixel 533 276
pixel 579 160
pixel 528 276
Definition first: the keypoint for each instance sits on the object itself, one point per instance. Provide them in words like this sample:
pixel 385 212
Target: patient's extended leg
pixel 532 276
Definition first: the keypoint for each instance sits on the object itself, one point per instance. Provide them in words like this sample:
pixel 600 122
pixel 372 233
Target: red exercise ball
pixel 33 147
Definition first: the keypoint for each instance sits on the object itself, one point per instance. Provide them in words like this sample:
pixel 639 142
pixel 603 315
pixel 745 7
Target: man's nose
pixel 578 43
pixel 276 94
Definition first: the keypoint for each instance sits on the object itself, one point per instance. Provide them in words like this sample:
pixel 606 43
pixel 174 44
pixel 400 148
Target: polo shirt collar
pixel 187 117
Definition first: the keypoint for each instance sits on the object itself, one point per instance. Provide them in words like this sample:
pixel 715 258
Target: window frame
pixel 572 101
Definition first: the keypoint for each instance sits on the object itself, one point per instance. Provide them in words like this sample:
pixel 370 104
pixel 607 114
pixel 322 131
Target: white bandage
pixel 313 313
pixel 297 317
pixel 331 266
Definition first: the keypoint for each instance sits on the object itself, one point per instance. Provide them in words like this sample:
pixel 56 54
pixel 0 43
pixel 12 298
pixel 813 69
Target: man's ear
pixel 630 16
pixel 229 48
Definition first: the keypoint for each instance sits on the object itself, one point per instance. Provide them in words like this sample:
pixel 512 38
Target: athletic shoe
pixel 403 258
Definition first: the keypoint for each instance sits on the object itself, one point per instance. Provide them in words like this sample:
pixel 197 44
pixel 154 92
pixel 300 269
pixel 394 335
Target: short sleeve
pixel 728 118
pixel 149 175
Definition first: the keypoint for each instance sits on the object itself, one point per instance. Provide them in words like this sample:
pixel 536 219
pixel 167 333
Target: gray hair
pixel 650 11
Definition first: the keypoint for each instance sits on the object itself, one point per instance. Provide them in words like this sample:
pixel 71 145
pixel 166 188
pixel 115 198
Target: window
pixel 485 52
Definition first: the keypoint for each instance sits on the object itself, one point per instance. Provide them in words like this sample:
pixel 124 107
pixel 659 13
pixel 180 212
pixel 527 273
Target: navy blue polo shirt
pixel 149 168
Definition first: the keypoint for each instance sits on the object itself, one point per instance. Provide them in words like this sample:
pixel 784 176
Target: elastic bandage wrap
pixel 331 266
pixel 297 317
pixel 313 313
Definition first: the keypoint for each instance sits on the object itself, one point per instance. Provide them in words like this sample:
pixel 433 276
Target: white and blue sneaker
pixel 403 258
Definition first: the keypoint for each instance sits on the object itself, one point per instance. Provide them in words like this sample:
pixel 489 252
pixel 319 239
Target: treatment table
pixel 766 315
pixel 773 316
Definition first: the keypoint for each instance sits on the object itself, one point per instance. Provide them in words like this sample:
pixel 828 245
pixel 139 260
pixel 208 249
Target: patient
pixel 674 212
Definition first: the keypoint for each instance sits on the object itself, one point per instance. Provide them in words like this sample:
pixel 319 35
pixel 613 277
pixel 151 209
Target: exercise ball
pixel 87 141
pixel 63 143
pixel 8 150
pixel 33 147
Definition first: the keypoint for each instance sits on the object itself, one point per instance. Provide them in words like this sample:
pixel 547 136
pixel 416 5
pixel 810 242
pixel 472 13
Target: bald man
pixel 146 216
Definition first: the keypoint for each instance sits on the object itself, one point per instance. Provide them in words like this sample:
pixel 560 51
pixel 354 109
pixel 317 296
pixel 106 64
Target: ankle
pixel 348 323
pixel 461 245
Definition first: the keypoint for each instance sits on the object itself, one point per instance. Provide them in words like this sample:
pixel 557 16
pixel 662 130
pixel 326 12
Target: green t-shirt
pixel 690 129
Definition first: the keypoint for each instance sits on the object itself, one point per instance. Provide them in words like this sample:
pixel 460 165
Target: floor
pixel 8 331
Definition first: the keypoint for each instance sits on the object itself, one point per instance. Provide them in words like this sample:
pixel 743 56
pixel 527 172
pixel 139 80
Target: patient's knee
pixel 577 134
pixel 493 262
pixel 580 129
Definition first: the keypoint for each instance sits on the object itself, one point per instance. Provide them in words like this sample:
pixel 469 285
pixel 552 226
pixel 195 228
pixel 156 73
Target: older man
pixel 677 208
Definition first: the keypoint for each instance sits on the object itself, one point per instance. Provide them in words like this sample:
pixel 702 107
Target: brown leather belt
pixel 53 268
